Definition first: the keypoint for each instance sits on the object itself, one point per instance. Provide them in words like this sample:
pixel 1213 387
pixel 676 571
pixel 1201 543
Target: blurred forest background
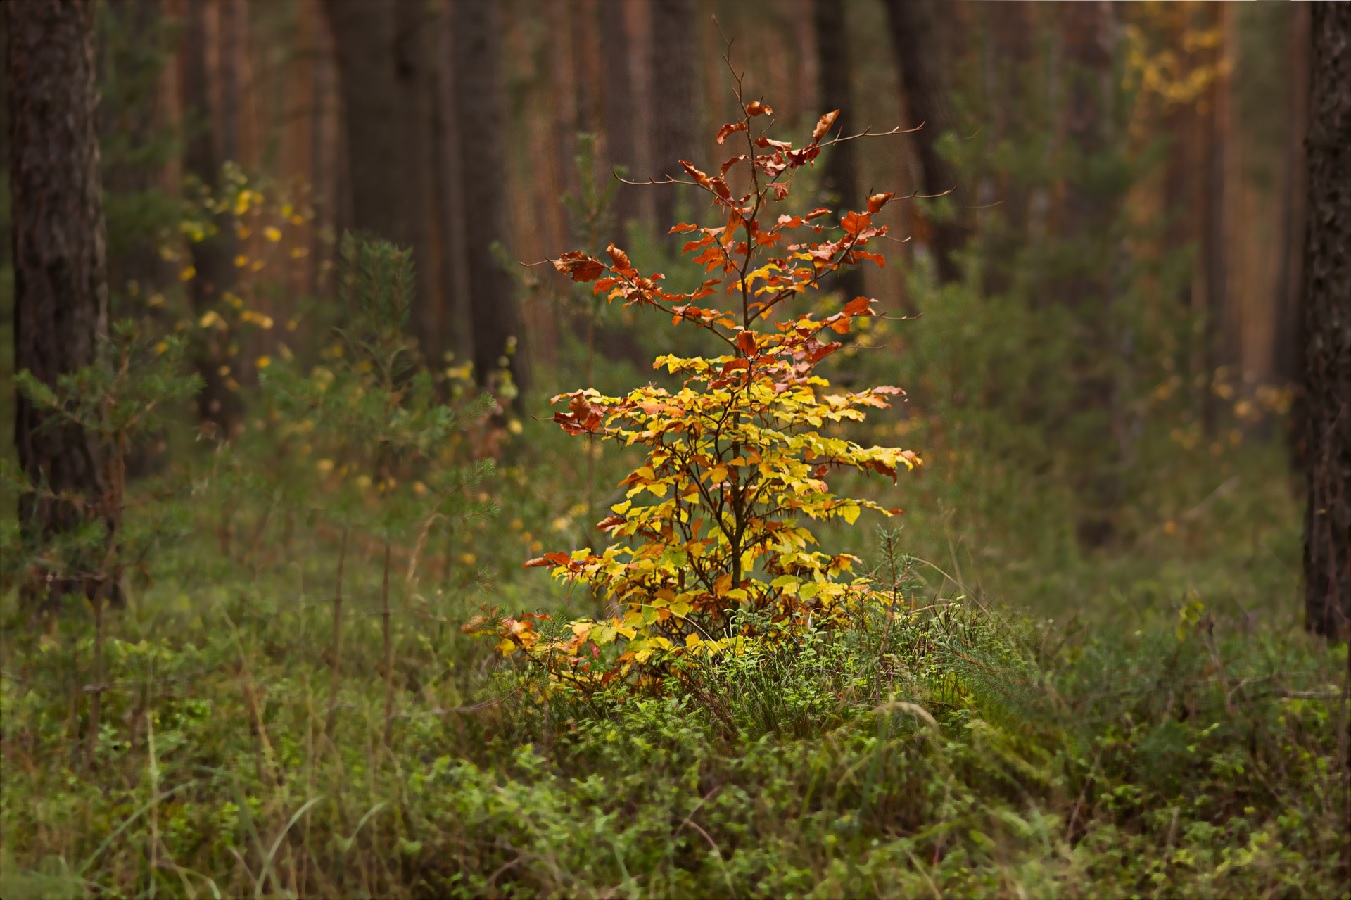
pixel 1091 295
pixel 1108 282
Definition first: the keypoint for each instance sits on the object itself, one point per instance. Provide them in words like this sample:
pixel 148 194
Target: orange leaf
pixel 621 259
pixel 877 201
pixel 756 108
pixel 854 222
pixel 745 342
pixel 858 306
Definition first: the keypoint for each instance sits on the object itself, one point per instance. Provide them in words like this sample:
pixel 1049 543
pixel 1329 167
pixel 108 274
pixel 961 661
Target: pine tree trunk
pixel 621 147
pixel 1087 287
pixel 135 269
pixel 839 179
pixel 415 80
pixel 1327 326
pixel 481 130
pixel 58 246
pixel 363 37
pixel 914 38
pixel 218 407
pixel 672 111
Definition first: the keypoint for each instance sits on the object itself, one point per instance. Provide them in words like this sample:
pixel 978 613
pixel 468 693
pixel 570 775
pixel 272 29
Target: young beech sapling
pixel 740 456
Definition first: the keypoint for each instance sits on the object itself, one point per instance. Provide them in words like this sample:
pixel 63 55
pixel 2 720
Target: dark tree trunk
pixel 416 81
pixel 839 179
pixel 1327 326
pixel 1087 288
pixel 128 128
pixel 914 38
pixel 621 145
pixel 481 130
pixel 672 107
pixel 218 407
pixel 135 148
pixel 455 332
pixel 60 278
pixel 1288 335
pixel 363 37
pixel 1216 339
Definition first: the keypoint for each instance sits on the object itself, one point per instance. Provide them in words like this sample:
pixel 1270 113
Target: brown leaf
pixel 745 342
pixel 621 259
pixel 579 266
pixel 756 108
pixel 823 124
pixel 727 131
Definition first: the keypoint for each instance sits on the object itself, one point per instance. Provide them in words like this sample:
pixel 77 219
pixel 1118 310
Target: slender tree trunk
pixel 672 110
pixel 134 144
pixel 1088 288
pixel 132 63
pixel 1215 336
pixel 415 78
pixel 456 334
pixel 1288 334
pixel 60 277
pixel 839 180
pixel 482 139
pixel 218 406
pixel 363 37
pixel 1327 326
pixel 620 128
pixel 914 38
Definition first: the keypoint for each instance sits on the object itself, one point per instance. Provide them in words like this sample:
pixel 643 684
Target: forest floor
pixel 1147 722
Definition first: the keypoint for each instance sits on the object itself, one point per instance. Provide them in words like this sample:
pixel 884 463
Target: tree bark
pixel 60 277
pixel 1087 287
pixel 363 36
pixel 218 407
pixel 1288 335
pixel 621 147
pixel 496 321
pixel 132 63
pixel 1327 326
pixel 914 38
pixel 415 78
pixel 673 115
pixel 839 179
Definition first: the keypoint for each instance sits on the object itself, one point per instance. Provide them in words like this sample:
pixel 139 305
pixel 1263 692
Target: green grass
pixel 1172 731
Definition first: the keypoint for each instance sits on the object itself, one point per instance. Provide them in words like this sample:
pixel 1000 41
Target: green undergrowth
pixel 955 749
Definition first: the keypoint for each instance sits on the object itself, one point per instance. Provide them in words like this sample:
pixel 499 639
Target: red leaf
pixel 579 266
pixel 745 342
pixel 823 124
pixel 877 201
